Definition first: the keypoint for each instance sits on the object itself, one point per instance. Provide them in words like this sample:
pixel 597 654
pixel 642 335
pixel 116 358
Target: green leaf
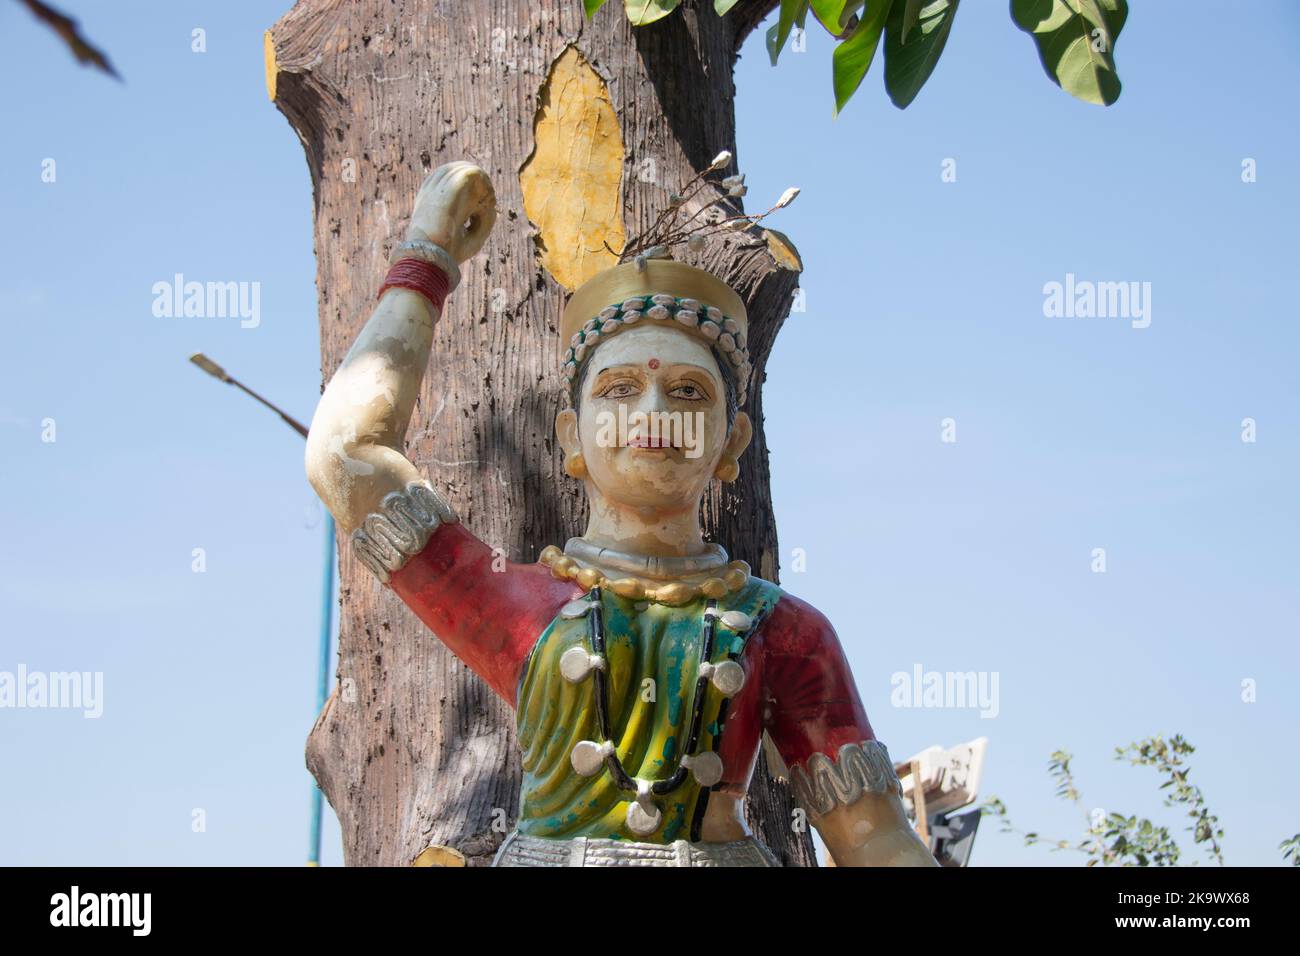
pixel 911 14
pixel 591 6
pixel 641 12
pixel 720 7
pixel 791 10
pixel 852 57
pixel 1076 43
pixel 834 14
pixel 909 63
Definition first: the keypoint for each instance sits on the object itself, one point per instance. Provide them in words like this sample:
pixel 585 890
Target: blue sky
pixel 924 302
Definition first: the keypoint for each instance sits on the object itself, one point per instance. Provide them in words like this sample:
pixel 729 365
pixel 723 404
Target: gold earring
pixel 728 469
pixel 575 466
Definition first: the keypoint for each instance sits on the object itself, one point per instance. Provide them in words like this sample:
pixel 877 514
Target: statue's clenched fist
pixel 455 209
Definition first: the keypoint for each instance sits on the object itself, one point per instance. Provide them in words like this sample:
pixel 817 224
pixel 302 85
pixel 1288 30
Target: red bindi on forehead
pixel 653 363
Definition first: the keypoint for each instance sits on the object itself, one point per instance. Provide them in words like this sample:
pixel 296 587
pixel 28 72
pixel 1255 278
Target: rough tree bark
pixel 412 749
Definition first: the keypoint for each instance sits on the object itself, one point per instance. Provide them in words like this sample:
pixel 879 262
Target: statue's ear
pixel 742 431
pixel 566 430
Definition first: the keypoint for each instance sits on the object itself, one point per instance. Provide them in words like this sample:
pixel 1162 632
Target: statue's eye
pixel 688 391
pixel 620 390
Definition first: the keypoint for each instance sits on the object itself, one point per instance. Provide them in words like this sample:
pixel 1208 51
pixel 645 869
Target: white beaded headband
pixel 691 315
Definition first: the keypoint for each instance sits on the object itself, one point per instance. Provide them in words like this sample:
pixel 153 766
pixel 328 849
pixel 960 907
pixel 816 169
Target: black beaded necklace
pixel 589 756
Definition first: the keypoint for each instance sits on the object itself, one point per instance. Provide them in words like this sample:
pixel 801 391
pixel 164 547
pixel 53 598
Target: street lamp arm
pixel 221 375
pixel 292 422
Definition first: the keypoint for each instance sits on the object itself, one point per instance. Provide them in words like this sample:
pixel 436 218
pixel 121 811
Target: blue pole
pixel 323 674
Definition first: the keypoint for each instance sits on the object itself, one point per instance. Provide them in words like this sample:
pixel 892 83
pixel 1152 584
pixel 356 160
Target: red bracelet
pixel 418 276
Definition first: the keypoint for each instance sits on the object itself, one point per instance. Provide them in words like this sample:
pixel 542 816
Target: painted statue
pixel 643 663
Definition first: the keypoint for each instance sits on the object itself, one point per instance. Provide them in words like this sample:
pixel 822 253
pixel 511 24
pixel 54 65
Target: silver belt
pixel 521 850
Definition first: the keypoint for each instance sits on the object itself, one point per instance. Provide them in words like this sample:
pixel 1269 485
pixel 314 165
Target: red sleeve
pixel 488 618
pixel 812 702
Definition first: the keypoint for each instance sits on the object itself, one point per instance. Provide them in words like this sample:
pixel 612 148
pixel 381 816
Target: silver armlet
pixel 400 529
pixel 431 253
pixel 823 784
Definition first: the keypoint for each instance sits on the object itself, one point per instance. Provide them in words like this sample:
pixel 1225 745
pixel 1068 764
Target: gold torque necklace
pixel 714 576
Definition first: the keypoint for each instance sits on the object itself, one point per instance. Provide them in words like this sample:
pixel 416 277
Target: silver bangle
pixel 431 253
pixel 400 529
pixel 823 784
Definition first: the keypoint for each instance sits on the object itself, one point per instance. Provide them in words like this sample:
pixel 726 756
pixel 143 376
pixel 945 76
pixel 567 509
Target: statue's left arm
pixel 842 776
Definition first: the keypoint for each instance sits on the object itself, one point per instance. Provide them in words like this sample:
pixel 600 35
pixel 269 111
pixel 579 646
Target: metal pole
pixel 293 423
pixel 323 675
pixel 327 589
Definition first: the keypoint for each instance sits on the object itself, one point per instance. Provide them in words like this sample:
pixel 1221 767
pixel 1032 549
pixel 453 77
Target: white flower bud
pixel 722 159
pixel 787 197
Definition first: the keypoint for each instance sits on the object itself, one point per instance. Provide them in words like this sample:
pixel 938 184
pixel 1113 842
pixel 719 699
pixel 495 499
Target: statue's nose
pixel 654 398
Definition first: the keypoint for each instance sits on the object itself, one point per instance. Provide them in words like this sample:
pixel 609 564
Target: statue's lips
pixel 649 442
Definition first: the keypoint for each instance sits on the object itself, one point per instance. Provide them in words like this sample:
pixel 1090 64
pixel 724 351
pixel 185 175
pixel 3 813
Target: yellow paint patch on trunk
pixel 782 250
pixel 438 855
pixel 272 69
pixel 571 181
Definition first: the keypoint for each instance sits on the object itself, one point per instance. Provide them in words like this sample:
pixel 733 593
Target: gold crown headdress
pixel 648 286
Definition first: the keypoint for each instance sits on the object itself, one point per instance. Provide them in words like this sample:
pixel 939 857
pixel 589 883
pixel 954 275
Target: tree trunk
pixel 412 749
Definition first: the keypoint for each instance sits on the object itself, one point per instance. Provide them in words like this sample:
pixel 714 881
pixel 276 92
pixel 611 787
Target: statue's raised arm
pixel 354 450
pixel 396 523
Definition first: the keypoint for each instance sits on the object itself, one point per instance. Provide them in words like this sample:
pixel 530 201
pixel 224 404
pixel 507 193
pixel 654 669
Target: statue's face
pixel 652 418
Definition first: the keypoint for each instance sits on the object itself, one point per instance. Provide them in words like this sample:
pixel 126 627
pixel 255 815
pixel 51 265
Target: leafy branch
pixel 1075 39
pixel 1116 839
pixel 1112 839
pixel 1167 759
pixel 1290 848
